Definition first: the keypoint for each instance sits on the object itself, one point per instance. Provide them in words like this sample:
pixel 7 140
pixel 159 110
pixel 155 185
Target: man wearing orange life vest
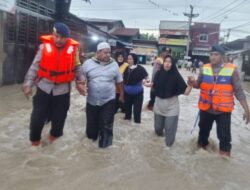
pixel 55 65
pixel 218 82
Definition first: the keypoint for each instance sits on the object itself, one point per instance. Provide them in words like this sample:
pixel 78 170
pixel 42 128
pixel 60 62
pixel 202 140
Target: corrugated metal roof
pixel 99 20
pixel 126 31
pixel 173 25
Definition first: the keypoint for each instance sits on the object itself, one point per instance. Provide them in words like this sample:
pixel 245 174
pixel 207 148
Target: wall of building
pixel 212 31
pixel 19 37
pixel 2 53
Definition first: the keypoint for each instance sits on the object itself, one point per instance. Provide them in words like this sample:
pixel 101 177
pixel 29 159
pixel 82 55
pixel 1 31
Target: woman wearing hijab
pixel 168 84
pixel 134 77
pixel 120 59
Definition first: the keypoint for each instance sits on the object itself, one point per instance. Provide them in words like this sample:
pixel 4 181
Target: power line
pixel 113 9
pixel 228 11
pixel 222 9
pixel 241 25
pixel 164 9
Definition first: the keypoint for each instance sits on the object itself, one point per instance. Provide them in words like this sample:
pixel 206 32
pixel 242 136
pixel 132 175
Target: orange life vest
pixel 217 94
pixel 57 65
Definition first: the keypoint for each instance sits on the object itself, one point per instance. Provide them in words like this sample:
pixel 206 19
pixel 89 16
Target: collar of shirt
pixel 102 63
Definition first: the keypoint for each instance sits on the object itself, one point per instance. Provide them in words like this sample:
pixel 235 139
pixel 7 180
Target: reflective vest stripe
pixel 218 94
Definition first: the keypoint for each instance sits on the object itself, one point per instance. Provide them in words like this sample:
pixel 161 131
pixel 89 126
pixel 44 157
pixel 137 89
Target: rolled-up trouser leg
pixel 106 121
pixel 159 124
pixel 171 123
pixel 41 106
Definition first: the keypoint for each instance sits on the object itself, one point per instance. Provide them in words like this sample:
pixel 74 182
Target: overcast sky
pixel 146 14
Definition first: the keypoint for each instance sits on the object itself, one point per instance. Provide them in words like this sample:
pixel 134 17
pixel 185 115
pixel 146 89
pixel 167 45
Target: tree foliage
pixel 147 36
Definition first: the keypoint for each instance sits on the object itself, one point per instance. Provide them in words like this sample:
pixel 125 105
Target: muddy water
pixel 137 160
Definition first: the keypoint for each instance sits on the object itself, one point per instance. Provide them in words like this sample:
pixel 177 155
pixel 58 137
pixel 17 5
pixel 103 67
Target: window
pixel 10 28
pixel 203 38
pixel 22 28
pixel 44 7
pixel 32 29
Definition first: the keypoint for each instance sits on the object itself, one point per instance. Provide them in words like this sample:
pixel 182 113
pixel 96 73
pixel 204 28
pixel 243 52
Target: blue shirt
pixel 101 80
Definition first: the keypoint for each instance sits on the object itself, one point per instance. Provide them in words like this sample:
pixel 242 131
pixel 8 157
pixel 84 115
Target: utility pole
pixel 228 34
pixel 190 16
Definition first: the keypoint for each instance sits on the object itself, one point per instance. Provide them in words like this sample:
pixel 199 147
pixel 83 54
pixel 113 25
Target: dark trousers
pixel 135 102
pixel 223 124
pixel 119 104
pixel 100 120
pixel 152 98
pixel 47 107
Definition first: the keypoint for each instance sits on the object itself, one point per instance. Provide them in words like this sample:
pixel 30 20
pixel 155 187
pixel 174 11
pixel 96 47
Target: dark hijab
pixel 169 83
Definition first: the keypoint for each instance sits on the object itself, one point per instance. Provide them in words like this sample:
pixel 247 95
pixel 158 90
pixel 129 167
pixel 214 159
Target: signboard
pixel 200 53
pixel 145 51
pixel 8 6
pixel 172 41
pixel 174 32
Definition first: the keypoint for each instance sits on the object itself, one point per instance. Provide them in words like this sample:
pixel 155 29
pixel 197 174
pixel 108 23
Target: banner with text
pixel 172 41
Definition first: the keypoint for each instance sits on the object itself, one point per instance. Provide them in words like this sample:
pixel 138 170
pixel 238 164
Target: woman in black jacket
pixel 134 77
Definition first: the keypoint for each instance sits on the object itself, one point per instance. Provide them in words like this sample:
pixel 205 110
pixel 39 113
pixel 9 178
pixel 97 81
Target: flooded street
pixel 137 160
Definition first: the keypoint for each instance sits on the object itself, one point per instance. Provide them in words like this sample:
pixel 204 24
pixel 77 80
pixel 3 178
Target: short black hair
pixel 118 53
pixel 166 49
pixel 134 57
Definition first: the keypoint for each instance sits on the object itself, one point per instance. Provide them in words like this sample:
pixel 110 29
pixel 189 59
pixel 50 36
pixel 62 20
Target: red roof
pixel 126 32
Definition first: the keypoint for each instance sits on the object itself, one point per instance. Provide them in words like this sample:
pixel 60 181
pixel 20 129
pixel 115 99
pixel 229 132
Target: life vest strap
pixel 56 73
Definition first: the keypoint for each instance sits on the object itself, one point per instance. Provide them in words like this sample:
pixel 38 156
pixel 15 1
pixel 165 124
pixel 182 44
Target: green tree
pixel 147 36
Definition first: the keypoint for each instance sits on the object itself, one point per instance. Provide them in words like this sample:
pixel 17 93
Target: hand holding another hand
pixel 82 88
pixel 147 83
pixel 191 81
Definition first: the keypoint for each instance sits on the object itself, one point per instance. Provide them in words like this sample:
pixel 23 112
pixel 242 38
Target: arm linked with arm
pixel 195 83
pixel 80 76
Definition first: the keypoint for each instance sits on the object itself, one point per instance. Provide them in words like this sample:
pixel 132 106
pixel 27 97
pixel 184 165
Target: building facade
pixel 174 34
pixel 203 36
